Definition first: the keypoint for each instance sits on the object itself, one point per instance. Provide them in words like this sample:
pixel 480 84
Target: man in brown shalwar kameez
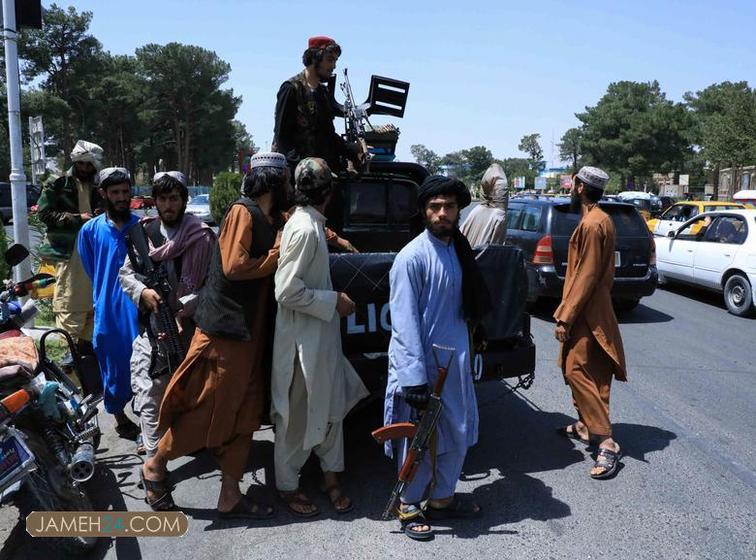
pixel 215 398
pixel 591 352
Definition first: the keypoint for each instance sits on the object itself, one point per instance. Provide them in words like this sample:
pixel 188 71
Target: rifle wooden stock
pixel 409 468
pixel 395 431
pixel 439 386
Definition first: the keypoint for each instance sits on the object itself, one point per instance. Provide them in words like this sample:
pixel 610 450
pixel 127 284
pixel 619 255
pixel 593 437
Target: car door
pixel 675 255
pixel 717 251
pixel 673 218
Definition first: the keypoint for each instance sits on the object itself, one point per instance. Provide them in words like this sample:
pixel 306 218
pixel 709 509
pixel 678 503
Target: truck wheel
pixel 738 295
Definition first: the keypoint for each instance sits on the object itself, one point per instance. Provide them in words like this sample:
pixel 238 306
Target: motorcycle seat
pixel 19 350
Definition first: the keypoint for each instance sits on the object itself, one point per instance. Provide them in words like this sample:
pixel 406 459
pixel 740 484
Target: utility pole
pixel 17 176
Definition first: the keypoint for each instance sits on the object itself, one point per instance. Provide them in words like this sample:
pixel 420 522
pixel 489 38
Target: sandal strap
pixel 606 458
pixel 410 512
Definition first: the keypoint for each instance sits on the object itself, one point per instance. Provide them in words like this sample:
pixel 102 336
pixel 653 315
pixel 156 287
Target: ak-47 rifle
pixel 355 117
pixel 420 432
pixel 155 277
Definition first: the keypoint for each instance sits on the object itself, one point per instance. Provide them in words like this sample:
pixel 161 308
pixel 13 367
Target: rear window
pixel 373 202
pixel 627 221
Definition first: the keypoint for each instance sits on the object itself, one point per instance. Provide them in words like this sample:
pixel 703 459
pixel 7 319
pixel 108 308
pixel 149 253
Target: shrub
pixel 226 189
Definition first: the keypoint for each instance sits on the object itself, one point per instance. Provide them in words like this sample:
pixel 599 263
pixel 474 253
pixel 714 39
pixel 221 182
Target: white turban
pixel 180 177
pixel 87 152
pixel 113 176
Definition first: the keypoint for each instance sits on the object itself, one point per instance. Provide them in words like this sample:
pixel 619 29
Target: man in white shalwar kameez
pixel 313 385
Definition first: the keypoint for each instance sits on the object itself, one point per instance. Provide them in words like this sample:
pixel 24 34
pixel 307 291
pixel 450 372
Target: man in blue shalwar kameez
pixel 102 247
pixel 436 295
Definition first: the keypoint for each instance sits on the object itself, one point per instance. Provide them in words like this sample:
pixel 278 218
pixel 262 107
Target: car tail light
pixel 651 250
pixel 544 254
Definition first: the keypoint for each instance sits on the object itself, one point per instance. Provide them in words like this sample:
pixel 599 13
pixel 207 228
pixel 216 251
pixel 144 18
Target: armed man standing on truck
pixel 181 244
pixel 64 206
pixel 591 352
pixel 437 293
pixel 305 110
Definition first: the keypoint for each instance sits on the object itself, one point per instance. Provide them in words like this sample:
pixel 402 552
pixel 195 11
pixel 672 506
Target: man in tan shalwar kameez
pixel 313 385
pixel 215 398
pixel 591 352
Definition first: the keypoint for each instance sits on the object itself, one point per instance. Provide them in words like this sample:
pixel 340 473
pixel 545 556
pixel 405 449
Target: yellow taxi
pixel 679 213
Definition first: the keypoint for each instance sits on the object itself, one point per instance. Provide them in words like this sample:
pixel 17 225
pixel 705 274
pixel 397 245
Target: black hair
pixel 315 55
pixel 166 185
pixel 115 178
pixel 261 180
pixel 592 193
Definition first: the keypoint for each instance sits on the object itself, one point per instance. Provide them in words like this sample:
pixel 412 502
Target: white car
pixel 200 206
pixel 714 250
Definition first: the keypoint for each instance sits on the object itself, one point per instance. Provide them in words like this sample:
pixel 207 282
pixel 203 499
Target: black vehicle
pixel 6 204
pixel 375 212
pixel 542 229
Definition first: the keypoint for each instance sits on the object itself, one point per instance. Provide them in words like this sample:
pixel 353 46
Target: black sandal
pixel 128 430
pixel 608 460
pixel 411 517
pixel 247 509
pixel 572 434
pixel 164 501
pixel 458 508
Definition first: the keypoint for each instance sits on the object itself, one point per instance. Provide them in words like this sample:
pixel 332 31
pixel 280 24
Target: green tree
pixel 478 159
pixel 225 191
pixel 530 145
pixel 635 131
pixel 185 98
pixel 518 167
pixel 426 157
pixel 65 59
pixel 725 125
pixel 569 147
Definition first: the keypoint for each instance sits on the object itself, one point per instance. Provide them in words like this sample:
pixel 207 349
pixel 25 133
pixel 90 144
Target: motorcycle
pixel 48 432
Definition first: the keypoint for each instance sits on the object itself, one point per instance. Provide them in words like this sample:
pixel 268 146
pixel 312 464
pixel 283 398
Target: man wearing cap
pixel 487 223
pixel 215 398
pixel 313 385
pixel 437 296
pixel 305 111
pixel 102 247
pixel 591 350
pixel 182 244
pixel 64 206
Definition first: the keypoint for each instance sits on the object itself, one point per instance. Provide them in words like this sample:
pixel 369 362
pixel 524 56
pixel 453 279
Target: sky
pixel 481 72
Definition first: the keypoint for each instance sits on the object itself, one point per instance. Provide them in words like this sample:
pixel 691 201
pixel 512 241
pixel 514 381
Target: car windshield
pixel 627 222
pixel 201 199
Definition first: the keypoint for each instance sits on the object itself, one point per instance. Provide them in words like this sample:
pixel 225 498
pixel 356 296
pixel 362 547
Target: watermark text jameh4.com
pixel 106 524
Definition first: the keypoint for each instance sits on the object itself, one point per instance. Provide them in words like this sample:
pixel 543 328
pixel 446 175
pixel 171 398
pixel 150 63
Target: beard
pixel 442 229
pixel 116 214
pixel 84 176
pixel 175 221
pixel 575 205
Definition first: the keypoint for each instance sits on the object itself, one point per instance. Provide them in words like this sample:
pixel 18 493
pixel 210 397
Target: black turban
pixel 435 185
pixel 476 301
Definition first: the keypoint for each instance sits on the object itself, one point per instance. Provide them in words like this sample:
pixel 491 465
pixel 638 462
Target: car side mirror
pixel 671 234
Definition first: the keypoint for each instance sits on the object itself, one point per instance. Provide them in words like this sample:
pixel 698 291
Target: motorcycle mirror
pixel 16 254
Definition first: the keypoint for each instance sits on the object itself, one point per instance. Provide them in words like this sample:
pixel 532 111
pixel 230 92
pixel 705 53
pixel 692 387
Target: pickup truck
pixel 375 212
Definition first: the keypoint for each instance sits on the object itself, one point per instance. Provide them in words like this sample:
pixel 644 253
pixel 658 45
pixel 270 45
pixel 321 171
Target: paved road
pixel 687 489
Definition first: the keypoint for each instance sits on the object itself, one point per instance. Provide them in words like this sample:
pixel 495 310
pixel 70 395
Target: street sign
pixel 684 180
pixel 540 183
pixel 37 148
pixel 519 183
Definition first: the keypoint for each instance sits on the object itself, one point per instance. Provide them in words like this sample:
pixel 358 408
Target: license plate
pixel 617 259
pixel 14 459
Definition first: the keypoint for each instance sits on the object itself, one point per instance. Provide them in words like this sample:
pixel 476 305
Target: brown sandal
pixel 334 498
pixel 298 498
